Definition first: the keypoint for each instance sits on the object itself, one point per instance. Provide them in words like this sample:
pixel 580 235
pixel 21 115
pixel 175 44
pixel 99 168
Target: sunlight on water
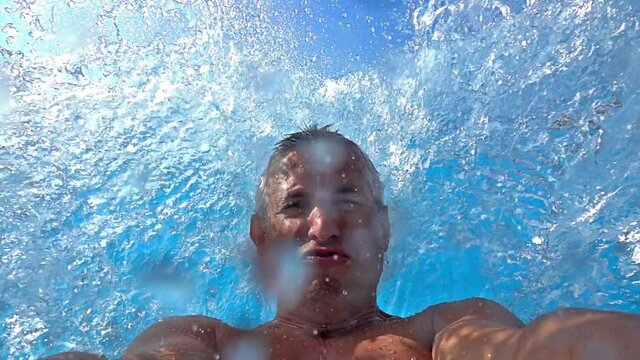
pixel 133 134
pixel 439 20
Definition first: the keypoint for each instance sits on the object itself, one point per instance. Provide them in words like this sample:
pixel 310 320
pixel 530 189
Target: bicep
pixel 179 334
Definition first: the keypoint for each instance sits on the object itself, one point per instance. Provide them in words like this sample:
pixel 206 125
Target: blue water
pixel 133 133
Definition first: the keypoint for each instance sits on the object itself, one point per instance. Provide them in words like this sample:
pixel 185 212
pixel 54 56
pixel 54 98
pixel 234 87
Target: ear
pixel 386 227
pixel 258 236
pixel 257 230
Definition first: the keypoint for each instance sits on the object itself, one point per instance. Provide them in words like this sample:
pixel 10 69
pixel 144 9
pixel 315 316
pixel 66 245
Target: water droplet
pixel 326 279
pixel 315 332
pixel 335 257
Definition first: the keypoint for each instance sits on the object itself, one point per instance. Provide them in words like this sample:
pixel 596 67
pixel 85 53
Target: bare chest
pixel 370 344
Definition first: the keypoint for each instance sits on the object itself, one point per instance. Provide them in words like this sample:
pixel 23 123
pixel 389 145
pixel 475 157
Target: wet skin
pixel 341 234
pixel 330 216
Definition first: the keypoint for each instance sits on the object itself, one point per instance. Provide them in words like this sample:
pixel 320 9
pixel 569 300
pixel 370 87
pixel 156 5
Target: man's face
pixel 321 204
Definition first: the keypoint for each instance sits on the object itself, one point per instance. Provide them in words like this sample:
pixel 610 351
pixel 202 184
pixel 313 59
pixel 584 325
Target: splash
pixel 132 134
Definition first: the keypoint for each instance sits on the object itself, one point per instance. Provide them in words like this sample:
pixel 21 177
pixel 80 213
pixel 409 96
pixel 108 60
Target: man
pixel 321 231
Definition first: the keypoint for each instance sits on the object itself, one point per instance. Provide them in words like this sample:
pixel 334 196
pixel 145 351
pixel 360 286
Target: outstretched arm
pixel 488 331
pixel 178 338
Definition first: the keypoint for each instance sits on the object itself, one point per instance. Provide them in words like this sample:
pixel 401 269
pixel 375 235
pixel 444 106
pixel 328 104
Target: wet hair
pixel 308 135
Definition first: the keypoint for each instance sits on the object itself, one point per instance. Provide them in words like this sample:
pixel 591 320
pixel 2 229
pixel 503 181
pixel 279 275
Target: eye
pixel 293 208
pixel 348 203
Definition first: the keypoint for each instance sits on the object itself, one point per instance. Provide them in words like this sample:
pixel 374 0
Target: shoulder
pixel 198 325
pixel 441 315
pixel 474 308
pixel 186 324
pixel 183 331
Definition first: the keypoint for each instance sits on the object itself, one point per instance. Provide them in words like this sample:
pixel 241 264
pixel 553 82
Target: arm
pixel 488 330
pixel 176 338
pixel 580 334
pixel 472 328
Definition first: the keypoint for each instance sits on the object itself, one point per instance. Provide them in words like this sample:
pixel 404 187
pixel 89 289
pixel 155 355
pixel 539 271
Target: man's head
pixel 323 138
pixel 321 196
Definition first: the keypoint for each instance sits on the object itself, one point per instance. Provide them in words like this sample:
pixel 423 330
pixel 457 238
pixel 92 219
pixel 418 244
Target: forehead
pixel 319 162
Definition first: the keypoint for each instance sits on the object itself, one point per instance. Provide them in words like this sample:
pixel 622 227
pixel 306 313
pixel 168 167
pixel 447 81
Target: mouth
pixel 325 256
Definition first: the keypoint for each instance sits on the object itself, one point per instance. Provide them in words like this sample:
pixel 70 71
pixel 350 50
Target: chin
pixel 324 285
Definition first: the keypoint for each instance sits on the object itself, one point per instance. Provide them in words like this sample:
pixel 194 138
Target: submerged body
pixel 321 231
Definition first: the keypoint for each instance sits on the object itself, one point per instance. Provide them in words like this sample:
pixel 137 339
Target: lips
pixel 325 256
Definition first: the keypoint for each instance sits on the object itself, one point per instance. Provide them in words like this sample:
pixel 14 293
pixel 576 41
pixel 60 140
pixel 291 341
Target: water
pixel 133 132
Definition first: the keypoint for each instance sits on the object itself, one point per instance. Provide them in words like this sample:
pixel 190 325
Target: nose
pixel 323 225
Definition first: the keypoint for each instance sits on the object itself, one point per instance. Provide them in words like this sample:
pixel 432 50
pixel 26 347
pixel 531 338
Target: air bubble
pixel 335 257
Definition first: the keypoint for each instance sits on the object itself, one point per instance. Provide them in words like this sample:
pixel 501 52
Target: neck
pixel 323 314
